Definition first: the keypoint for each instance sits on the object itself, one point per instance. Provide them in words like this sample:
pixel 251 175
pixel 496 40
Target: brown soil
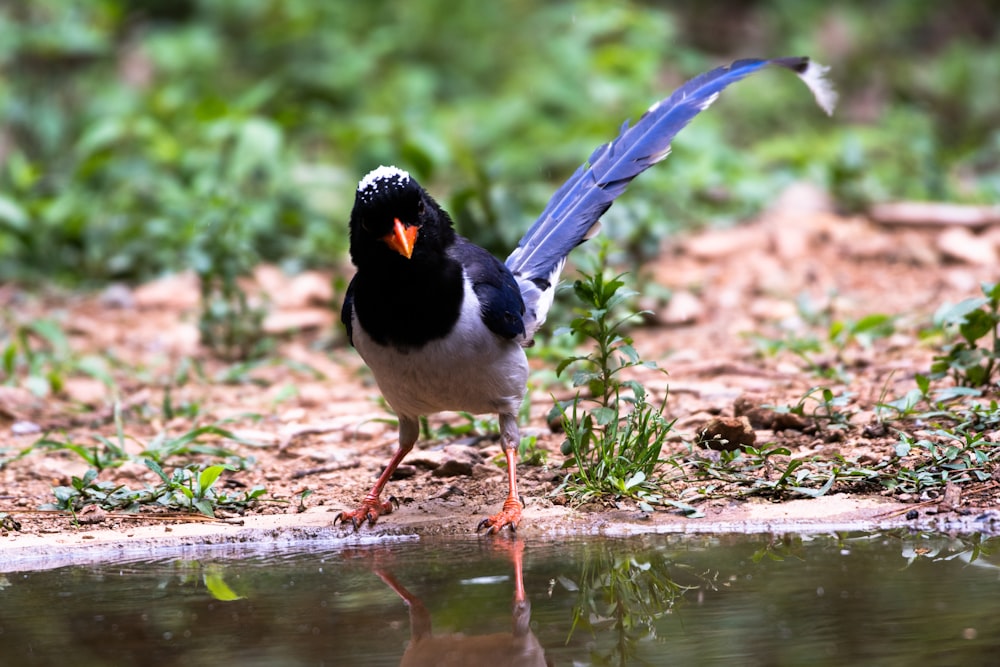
pixel 329 435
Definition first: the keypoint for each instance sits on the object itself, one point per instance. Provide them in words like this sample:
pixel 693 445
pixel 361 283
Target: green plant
pixel 755 471
pixel 193 487
pixel 164 446
pixel 906 405
pixel 111 453
pixel 470 425
pixel 614 435
pixel 863 332
pixel 957 456
pixel 529 453
pixel 302 495
pixel 101 456
pixel 187 488
pixel 37 355
pixel 973 358
pixel 87 490
pixel 810 347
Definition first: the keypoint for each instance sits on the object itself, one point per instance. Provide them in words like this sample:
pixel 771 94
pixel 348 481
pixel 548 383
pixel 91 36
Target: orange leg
pixel 510 515
pixel 371 506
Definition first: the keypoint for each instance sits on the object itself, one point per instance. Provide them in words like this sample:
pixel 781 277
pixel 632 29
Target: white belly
pixel 472 369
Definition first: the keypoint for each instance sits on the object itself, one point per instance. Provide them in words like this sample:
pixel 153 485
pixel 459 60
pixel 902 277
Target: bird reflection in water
pixel 519 647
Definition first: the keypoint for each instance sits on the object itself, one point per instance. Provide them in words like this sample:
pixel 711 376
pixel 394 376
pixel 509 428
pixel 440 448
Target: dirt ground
pixel 324 431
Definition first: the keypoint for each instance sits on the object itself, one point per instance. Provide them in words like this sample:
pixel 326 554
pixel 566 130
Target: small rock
pixel 447 492
pixel 727 434
pixel 15 401
pixel 682 309
pixel 962 245
pixel 714 245
pixel 463 453
pixel 951 498
pixel 802 197
pixel 91 514
pixel 404 471
pixel 428 460
pixel 282 321
pixel 178 291
pixel 117 296
pixel 25 428
pixel 486 470
pixel 876 429
pixel 453 468
pixel 310 288
pixel 272 281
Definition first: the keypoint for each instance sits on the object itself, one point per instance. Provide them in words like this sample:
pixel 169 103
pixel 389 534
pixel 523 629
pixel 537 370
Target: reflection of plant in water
pixel 778 548
pixel 623 594
pixel 969 548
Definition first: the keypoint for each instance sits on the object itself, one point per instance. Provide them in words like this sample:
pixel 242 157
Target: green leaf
pixel 638 478
pixel 630 353
pixel 208 476
pixel 53 334
pixel 956 314
pixel 875 322
pixel 204 506
pixel 816 493
pixel 604 416
pixel 977 324
pixel 951 393
pixel 218 588
pixel 792 465
pixel 690 511
pixel 155 467
pixel 13 214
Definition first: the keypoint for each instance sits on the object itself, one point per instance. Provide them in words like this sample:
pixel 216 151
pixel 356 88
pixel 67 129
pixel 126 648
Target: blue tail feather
pixel 573 212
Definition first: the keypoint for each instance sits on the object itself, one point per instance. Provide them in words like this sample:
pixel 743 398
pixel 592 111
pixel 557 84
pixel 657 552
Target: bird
pixel 442 324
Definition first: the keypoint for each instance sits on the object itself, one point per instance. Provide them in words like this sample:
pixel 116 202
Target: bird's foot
pixel 371 509
pixel 510 515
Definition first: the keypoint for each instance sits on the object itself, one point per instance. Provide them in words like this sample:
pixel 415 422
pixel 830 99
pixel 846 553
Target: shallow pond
pixel 847 599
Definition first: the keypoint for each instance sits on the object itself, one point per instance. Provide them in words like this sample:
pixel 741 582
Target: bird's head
pixel 394 219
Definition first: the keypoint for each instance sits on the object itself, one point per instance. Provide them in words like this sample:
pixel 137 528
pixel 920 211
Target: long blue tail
pixel 573 213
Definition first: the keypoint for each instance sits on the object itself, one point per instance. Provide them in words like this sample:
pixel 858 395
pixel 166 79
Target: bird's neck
pixel 408 304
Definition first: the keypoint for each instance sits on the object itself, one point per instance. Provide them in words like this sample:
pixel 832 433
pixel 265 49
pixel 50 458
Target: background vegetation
pixel 133 134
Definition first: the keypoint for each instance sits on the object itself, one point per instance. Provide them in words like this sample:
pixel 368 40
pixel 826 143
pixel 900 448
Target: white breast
pixel 471 369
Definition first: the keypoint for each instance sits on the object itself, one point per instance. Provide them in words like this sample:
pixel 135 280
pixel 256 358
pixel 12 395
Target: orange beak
pixel 401 238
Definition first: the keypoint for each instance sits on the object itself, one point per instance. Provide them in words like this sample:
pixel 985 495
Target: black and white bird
pixel 442 323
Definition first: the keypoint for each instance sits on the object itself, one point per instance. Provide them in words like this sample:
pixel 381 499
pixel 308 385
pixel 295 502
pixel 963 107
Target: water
pixel 849 599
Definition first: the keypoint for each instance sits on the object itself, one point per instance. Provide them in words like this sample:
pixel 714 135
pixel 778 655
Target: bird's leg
pixel 372 507
pixel 420 618
pixel 510 515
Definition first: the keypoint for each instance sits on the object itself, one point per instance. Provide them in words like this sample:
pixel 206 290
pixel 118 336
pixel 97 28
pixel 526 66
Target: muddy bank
pixel 313 530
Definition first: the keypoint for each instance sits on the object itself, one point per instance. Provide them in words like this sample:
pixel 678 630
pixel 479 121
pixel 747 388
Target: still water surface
pixel 849 599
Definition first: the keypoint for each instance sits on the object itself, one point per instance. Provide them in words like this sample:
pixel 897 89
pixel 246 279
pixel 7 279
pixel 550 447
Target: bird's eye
pixel 421 207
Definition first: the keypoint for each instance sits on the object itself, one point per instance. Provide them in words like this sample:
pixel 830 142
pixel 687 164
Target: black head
pixel 395 220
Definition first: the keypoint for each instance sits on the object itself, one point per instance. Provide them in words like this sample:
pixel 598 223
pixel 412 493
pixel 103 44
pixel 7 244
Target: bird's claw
pixel 510 515
pixel 371 509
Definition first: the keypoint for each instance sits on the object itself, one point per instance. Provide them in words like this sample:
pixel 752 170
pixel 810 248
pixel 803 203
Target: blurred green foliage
pixel 132 130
